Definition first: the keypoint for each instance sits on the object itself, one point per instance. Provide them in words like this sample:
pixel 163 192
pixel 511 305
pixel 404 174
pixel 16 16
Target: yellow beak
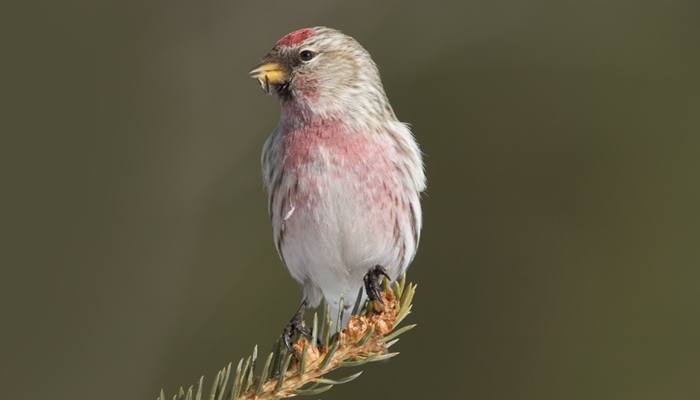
pixel 267 74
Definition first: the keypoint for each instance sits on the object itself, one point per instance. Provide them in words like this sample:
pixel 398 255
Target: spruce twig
pixel 366 338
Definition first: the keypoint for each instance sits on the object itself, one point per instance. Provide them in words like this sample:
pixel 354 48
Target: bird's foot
pixel 294 326
pixel 373 287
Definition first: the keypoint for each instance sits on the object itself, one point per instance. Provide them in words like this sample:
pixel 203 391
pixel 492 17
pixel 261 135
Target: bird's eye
pixel 306 55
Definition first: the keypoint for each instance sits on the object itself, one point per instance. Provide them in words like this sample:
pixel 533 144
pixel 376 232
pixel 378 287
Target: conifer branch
pixel 370 332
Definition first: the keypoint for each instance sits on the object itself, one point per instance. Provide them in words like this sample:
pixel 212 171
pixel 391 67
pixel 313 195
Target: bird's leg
pixel 373 286
pixel 294 326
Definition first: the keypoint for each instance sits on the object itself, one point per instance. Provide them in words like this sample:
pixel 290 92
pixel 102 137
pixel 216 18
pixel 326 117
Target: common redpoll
pixel 343 175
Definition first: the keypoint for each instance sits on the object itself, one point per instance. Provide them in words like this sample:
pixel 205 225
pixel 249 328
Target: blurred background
pixel 560 251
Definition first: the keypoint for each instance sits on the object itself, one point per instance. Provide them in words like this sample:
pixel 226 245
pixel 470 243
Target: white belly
pixel 333 232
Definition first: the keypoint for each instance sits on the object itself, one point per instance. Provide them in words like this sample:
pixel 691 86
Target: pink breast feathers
pixel 295 37
pixel 327 148
pixel 304 145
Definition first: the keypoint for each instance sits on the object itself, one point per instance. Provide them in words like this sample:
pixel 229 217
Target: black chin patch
pixel 283 90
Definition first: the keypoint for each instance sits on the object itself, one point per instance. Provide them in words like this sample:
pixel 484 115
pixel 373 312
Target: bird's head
pixel 320 66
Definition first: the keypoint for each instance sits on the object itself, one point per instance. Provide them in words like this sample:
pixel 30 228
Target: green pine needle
pixel 365 339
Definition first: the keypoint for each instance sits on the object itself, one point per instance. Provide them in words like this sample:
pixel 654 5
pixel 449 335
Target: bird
pixel 343 175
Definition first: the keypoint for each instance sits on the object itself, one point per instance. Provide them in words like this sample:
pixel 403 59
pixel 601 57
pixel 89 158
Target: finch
pixel 343 175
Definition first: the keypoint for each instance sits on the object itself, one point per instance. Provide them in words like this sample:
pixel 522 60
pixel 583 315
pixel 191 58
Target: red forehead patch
pixel 295 37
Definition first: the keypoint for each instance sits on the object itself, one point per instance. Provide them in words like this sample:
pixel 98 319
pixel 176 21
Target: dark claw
pixel 294 326
pixel 372 285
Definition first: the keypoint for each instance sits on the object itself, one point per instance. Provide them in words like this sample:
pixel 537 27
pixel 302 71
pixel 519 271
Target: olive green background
pixel 559 257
